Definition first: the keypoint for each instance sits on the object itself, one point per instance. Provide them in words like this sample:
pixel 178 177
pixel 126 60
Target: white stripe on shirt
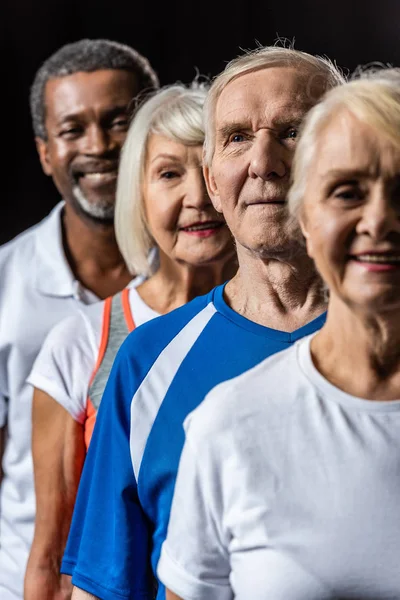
pixel 148 398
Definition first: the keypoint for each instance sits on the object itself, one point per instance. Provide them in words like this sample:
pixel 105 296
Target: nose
pixel 380 215
pixel 267 157
pixel 96 141
pixel 196 195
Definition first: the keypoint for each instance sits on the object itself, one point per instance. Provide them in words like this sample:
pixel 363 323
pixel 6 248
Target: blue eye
pixel 237 137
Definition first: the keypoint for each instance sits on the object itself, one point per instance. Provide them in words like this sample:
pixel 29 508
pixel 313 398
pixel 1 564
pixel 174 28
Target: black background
pixel 179 38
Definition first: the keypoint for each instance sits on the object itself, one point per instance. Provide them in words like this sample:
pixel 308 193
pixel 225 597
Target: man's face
pixel 87 117
pixel 256 120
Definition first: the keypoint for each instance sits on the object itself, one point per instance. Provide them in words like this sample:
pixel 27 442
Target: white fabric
pixel 69 354
pixel 37 290
pixel 147 400
pixel 288 489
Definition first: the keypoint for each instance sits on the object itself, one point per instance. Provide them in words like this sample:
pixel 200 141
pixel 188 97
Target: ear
pixel 212 188
pixel 306 234
pixel 43 151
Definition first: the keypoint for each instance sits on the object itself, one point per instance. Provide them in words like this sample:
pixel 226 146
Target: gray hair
pixel 372 95
pixel 321 69
pixel 176 112
pixel 86 55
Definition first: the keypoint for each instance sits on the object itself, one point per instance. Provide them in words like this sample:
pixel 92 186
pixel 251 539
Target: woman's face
pixel 179 213
pixel 351 214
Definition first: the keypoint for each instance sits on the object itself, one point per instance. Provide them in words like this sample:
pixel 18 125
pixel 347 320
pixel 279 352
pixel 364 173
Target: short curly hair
pixel 86 55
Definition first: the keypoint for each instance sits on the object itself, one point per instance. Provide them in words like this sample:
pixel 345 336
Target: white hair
pixel 372 95
pixel 176 112
pixel 323 73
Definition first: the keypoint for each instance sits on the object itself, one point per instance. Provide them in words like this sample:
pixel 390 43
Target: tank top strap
pixel 117 324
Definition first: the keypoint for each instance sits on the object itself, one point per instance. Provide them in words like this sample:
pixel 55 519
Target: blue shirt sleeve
pixel 108 549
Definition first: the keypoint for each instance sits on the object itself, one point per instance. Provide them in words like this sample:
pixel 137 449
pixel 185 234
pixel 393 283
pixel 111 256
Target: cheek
pixel 228 177
pixel 162 216
pixel 328 239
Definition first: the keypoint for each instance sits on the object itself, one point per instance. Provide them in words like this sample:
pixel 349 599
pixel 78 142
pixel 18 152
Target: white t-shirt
pixel 65 364
pixel 288 489
pixel 37 290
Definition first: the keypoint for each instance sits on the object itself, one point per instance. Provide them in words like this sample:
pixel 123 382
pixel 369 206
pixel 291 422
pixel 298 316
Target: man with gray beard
pixel 81 100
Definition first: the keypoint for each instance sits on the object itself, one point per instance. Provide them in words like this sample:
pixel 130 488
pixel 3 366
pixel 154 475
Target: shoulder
pixel 21 245
pixel 77 333
pixel 152 337
pixel 23 248
pixel 263 394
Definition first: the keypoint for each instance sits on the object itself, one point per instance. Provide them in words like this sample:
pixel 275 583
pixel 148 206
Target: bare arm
pixel 171 596
pixel 58 454
pixel 79 594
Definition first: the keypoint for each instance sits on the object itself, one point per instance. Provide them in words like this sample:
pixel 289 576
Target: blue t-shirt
pixel 163 370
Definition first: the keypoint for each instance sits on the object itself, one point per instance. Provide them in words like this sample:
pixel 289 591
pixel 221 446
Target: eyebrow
pixel 347 173
pixel 278 124
pixel 172 157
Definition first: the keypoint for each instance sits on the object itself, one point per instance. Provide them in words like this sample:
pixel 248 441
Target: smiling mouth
pixel 206 226
pixel 382 259
pixel 98 176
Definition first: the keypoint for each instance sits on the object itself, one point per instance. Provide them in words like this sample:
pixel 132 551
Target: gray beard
pixel 99 211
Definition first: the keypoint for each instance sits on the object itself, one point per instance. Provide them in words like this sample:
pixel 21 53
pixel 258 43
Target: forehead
pixel 81 90
pixel 347 144
pixel 160 146
pixel 267 95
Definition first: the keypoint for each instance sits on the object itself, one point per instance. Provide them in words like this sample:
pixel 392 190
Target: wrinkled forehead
pixel 278 93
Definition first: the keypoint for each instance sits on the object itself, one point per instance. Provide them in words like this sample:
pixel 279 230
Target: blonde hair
pixel 176 112
pixel 371 95
pixel 320 68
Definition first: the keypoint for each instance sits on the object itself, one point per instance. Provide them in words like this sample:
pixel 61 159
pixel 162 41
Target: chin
pixel 99 209
pixel 375 302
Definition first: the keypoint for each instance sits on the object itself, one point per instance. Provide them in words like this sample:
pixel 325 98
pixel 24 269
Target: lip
pixel 389 252
pixel 377 261
pixel 203 228
pixel 277 201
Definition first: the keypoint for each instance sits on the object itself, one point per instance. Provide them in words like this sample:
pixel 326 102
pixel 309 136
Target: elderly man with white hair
pixel 289 481
pixel 166 367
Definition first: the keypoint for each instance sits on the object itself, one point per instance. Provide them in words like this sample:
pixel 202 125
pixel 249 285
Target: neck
pixel 353 339
pixel 93 255
pixel 176 284
pixel 284 293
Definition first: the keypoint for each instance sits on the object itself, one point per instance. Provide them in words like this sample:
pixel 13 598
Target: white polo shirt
pixel 37 290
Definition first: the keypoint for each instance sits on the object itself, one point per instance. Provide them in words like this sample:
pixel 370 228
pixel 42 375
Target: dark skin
pixel 87 117
pixel 86 122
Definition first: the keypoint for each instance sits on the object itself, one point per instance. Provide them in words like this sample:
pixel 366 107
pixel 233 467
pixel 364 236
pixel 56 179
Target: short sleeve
pixel 194 562
pixel 65 363
pixel 108 548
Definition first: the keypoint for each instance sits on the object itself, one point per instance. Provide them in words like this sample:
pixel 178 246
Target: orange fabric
pixel 90 410
pixel 127 309
pixel 89 423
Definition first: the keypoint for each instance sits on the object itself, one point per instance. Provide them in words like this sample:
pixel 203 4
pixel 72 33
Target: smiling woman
pixel 162 208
